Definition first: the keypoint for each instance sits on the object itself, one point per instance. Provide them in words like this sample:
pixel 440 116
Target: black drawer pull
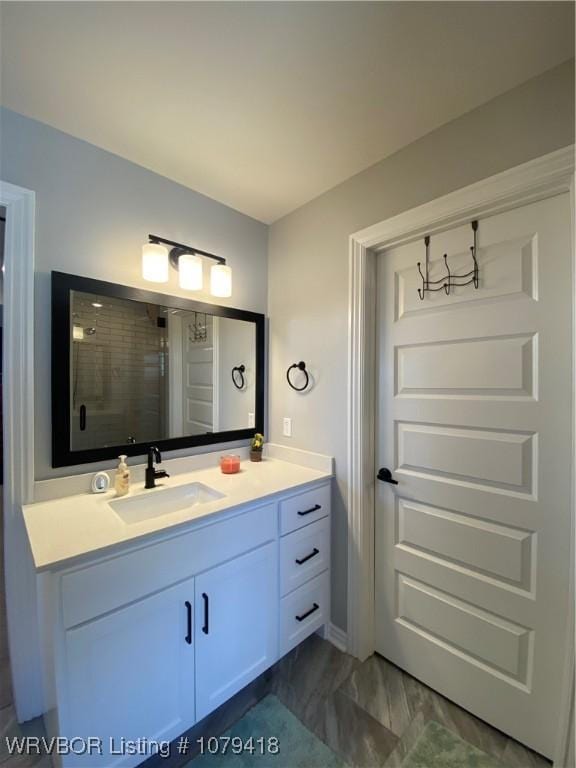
pixel 82 418
pixel 308 557
pixel 315 508
pixel 205 627
pixel 188 637
pixel 308 613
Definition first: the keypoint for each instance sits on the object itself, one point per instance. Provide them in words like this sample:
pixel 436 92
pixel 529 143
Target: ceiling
pixel 265 105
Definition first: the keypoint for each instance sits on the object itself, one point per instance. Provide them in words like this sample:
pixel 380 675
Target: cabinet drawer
pixel 97 589
pixel 304 554
pixel 304 611
pixel 304 508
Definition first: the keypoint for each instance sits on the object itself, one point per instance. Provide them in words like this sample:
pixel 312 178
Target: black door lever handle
pixel 385 475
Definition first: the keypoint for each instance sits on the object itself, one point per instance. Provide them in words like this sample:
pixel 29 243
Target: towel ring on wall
pixel 238 374
pixel 301 366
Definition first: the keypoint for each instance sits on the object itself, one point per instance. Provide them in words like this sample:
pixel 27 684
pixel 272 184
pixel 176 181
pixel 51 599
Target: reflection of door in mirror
pixel 198 358
pixel 203 351
pixel 192 373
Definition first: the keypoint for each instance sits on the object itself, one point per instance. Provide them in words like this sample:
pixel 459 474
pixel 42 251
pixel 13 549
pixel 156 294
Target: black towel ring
pixel 301 366
pixel 239 370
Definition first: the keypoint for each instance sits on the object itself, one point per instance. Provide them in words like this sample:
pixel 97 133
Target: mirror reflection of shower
pixel 117 377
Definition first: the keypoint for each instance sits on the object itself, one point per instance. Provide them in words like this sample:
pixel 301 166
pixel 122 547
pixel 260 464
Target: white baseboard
pixel 337 637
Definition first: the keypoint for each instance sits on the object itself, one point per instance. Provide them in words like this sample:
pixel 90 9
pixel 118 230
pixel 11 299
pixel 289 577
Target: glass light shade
pixel 221 281
pixel 190 272
pixel 155 265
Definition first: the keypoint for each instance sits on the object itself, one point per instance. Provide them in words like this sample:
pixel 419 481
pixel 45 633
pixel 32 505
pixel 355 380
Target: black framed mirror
pixel 131 368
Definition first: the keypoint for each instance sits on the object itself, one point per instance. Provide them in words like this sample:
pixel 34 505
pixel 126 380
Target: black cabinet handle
pixel 308 613
pixel 385 475
pixel 308 557
pixel 82 418
pixel 315 508
pixel 206 610
pixel 188 637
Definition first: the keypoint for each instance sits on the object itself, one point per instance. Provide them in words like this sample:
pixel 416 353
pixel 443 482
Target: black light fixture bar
pixel 177 249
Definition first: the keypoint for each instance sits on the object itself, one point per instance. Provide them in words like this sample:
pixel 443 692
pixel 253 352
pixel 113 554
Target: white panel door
pixel 474 422
pixel 198 371
pixel 236 634
pixel 130 674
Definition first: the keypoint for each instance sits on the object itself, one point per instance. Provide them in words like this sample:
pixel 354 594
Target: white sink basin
pixel 163 501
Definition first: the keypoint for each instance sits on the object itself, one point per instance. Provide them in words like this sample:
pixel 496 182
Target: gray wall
pixel 94 211
pixel 308 259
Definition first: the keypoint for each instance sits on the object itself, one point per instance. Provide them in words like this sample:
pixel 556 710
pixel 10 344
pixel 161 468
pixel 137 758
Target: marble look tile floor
pixel 369 713
pixel 372 713
pixel 404 706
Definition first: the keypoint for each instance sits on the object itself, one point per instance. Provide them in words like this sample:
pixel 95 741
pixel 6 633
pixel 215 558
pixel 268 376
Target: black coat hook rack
pixel 238 376
pixel 449 281
pixel 301 366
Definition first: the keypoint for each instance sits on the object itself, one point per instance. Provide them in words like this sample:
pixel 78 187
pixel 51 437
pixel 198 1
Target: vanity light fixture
pixel 190 272
pixel 155 263
pixel 188 262
pixel 221 280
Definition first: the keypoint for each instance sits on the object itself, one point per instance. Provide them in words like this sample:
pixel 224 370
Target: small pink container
pixel 230 464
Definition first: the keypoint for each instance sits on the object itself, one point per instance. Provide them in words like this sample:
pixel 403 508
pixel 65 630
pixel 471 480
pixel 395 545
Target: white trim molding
pixel 537 179
pixel 337 637
pixel 361 364
pixel 18 413
pixel 564 753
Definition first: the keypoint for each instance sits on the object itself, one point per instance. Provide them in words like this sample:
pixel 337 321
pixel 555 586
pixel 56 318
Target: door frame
pixel 535 180
pixel 175 377
pixel 216 383
pixel 18 419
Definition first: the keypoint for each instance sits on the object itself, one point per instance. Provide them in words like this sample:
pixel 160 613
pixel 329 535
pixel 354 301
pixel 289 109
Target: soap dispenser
pixel 122 479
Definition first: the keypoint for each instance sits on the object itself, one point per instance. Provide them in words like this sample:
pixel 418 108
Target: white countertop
pixel 63 530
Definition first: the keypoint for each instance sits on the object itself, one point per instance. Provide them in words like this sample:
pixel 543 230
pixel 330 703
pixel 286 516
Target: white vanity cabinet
pixel 131 672
pixel 304 565
pixel 236 636
pixel 143 643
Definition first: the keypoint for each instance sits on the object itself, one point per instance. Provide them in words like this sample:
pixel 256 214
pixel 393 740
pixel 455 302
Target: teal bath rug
pixel 437 747
pixel 268 736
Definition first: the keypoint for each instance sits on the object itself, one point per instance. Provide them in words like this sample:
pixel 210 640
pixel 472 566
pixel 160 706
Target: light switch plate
pixel 251 420
pixel 287 426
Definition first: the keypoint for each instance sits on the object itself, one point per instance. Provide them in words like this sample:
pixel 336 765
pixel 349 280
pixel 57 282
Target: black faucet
pixel 153 474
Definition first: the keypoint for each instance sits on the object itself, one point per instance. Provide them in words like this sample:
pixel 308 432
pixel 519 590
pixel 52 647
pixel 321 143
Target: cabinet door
pixel 130 674
pixel 236 626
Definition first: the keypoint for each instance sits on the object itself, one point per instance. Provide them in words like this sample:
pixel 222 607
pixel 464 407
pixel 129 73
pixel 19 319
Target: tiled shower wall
pixel 118 371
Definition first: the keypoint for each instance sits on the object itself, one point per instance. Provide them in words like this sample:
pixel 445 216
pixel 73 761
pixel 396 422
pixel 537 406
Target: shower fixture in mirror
pixel 132 368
